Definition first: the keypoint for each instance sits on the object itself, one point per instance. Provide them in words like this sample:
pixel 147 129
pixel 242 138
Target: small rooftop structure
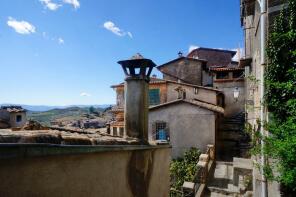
pixel 12 116
pixel 137 66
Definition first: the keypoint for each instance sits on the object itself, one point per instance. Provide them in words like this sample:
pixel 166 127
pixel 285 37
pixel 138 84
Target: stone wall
pixel 104 171
pixel 187 70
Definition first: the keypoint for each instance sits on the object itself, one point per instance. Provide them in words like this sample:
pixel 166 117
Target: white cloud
pixel 50 5
pixel 21 27
pixel 61 41
pixel 85 94
pixel 74 3
pixel 109 25
pixel 238 55
pixel 130 34
pixel 192 47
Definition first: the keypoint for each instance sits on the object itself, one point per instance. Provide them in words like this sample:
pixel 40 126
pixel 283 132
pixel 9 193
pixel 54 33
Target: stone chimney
pixel 137 71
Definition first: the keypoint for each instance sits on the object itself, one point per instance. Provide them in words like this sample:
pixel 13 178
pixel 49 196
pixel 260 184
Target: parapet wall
pixel 47 170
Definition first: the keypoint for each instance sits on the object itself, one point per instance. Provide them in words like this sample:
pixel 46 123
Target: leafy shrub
pixel 184 169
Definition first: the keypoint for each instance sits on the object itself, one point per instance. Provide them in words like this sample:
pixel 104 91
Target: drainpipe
pixel 262 108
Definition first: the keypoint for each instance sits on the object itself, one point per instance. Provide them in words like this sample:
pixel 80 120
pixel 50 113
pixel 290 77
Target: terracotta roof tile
pixel 225 68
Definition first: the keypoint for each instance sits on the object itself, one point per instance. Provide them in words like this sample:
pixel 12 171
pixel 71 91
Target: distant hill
pixel 42 108
pixel 70 113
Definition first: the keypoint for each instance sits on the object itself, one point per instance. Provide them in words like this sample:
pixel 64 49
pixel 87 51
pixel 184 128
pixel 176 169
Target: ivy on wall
pixel 280 98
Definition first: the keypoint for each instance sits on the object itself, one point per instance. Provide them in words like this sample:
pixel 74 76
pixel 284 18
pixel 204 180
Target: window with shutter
pixel 154 97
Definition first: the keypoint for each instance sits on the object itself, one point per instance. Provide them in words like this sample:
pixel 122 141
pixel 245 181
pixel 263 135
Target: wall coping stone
pixel 18 150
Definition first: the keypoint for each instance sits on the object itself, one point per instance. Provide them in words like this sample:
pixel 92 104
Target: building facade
pixel 256 20
pixel 184 123
pixel 12 117
pixel 206 76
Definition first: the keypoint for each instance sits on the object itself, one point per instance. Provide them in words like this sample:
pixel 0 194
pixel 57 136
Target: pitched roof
pixel 212 49
pixel 181 58
pixel 196 103
pixel 226 68
pixel 157 81
pixel 13 109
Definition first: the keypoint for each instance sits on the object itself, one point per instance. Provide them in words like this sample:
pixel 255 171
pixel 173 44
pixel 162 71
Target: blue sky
pixel 62 52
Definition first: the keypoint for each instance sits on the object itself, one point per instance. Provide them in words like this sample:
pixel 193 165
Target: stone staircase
pixel 232 140
pixel 221 183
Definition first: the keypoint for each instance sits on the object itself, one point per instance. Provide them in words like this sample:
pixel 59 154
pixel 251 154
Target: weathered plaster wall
pixel 162 90
pixel 202 94
pixel 189 126
pixel 232 106
pixel 110 173
pixel 14 123
pixel 4 115
pixel 120 96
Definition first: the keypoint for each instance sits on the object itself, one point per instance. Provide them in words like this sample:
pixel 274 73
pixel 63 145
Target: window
pixel 19 118
pixel 238 74
pixel 161 131
pixel 222 75
pixel 195 90
pixel 121 131
pixel 114 131
pixel 154 97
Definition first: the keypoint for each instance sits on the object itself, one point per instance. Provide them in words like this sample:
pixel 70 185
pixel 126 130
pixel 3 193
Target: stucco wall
pixel 232 106
pixel 120 97
pixel 202 94
pixel 189 126
pixel 130 172
pixel 14 123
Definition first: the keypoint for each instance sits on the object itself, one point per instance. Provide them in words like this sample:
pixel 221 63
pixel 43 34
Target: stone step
pixel 216 191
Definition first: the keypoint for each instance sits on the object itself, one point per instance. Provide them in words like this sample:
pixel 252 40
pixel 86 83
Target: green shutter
pixel 154 97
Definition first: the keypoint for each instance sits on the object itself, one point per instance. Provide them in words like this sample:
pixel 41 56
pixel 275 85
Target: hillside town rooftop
pixel 13 109
pixel 62 137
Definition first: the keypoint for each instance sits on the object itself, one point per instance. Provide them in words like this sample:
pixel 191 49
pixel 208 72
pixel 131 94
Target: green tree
pixel 91 109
